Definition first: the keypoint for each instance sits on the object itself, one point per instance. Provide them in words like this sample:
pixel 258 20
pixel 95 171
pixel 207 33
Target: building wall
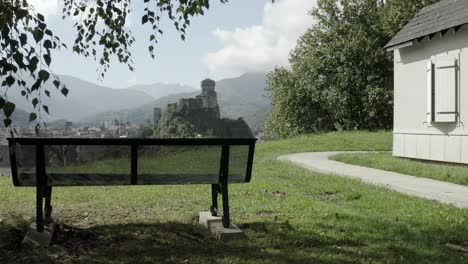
pixel 414 135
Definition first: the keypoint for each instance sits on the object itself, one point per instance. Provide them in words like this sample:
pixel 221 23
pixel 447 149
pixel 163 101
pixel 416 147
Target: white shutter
pixel 445 91
pixel 429 91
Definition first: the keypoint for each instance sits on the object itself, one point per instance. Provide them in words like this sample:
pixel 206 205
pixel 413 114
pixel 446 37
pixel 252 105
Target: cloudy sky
pixel 231 39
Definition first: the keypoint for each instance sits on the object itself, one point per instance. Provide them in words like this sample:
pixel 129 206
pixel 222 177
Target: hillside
pixel 243 96
pixel 84 99
pixel 158 90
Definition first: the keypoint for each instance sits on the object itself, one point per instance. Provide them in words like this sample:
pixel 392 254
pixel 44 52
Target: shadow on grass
pixel 268 242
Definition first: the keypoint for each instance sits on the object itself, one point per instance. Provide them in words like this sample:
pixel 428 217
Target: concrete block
pixel 216 228
pixel 40 239
pixel 224 234
pixel 206 219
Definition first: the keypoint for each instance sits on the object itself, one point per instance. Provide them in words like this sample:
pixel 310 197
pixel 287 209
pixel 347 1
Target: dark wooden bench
pixel 48 162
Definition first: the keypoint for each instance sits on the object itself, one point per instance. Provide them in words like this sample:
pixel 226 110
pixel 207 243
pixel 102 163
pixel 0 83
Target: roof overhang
pixel 433 20
pixel 400 46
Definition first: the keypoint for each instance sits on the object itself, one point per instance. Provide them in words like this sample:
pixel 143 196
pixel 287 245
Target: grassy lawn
pixel 385 161
pixel 289 214
pixel 167 160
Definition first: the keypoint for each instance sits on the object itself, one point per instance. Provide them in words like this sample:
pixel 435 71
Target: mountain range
pixel 158 90
pixel 243 96
pixel 84 99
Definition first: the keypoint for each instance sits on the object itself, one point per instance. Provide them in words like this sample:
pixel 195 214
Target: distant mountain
pixel 84 99
pixel 158 90
pixel 243 96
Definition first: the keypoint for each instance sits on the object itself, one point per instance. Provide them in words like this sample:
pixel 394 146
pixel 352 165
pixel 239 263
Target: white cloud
pixel 45 7
pixel 261 47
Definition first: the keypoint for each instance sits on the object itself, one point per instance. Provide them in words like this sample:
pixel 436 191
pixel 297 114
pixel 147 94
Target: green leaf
pixel 33 64
pixel 23 39
pixel 10 80
pixel 40 16
pixel 44 75
pixel 64 91
pixel 47 44
pixel 7 122
pixel 36 85
pixel 8 108
pixel 46 109
pixel 2 102
pixel 34 102
pixel 38 35
pixel 32 117
pixel 5 32
pixel 47 93
pixel 144 19
pixel 56 83
pixel 47 59
pixel 37 129
pixel 18 57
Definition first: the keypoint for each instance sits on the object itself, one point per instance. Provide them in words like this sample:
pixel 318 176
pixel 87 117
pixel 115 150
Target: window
pixel 442 91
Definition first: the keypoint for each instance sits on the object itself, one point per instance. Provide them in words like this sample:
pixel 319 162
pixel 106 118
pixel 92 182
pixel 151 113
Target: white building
pixel 431 84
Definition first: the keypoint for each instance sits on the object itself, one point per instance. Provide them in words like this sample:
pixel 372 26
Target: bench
pixel 48 162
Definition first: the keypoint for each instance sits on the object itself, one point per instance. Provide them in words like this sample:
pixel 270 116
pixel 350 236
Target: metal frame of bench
pixel 44 190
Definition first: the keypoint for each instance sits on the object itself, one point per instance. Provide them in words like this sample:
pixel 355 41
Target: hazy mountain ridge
pixel 158 90
pixel 243 96
pixel 84 99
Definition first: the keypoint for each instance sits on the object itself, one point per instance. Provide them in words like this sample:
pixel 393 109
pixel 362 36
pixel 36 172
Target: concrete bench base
pixel 40 239
pixel 217 230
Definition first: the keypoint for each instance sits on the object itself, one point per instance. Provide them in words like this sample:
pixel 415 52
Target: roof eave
pixel 400 46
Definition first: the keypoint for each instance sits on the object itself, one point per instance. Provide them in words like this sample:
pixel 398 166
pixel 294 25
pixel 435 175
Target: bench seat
pixel 77 179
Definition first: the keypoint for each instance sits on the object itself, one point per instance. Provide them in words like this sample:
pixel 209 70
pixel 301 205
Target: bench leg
pixel 48 198
pixel 226 217
pixel 39 208
pixel 214 199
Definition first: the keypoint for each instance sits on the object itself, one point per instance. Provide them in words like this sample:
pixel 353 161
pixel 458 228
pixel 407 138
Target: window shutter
pixel 430 83
pixel 445 91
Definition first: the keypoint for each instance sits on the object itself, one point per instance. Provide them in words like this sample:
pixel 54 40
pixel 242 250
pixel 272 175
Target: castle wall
pixel 203 115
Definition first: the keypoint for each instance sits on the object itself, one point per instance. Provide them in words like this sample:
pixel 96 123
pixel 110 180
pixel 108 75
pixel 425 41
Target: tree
pixel 27 43
pixel 341 78
pixel 145 131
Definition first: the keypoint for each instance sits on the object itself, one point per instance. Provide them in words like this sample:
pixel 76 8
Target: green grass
pixel 289 214
pixel 168 160
pixel 385 161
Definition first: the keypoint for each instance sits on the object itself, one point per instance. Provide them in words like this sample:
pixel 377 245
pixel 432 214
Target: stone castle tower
pixel 208 97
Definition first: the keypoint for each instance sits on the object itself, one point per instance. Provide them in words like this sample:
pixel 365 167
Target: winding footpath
pixel 444 192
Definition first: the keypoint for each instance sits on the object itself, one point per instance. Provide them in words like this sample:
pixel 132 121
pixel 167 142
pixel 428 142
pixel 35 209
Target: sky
pixel 229 40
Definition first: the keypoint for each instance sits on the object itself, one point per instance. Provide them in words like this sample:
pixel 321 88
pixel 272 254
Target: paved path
pixel 444 192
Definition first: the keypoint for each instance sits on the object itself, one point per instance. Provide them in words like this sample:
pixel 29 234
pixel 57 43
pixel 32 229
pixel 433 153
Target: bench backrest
pixel 129 161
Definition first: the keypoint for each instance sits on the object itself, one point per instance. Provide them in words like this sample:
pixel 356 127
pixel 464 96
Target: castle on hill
pixel 199 116
pixel 208 99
